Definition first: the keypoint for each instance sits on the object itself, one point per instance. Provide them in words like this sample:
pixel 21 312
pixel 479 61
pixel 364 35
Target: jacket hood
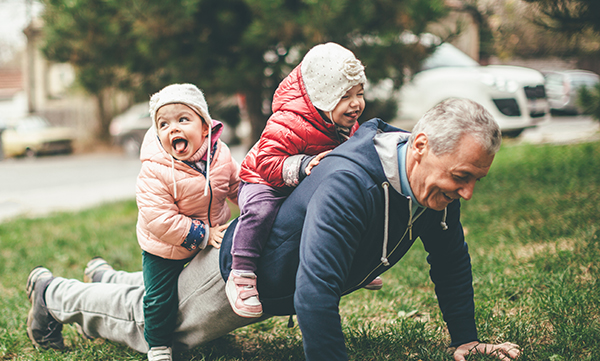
pixel 291 96
pixel 386 146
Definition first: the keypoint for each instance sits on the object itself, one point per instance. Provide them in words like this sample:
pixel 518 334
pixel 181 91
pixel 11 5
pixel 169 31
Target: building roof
pixel 11 82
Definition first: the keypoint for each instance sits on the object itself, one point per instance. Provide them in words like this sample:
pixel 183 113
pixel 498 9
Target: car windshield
pixel 579 81
pixel 32 123
pixel 447 55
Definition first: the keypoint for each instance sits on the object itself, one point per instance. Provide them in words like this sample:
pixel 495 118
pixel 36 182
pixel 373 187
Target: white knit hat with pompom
pixel 329 70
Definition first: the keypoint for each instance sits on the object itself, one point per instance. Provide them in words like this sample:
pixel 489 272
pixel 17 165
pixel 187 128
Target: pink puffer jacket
pixel 164 222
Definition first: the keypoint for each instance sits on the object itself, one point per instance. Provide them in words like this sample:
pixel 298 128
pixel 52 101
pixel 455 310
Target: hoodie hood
pixel 386 145
pixel 363 151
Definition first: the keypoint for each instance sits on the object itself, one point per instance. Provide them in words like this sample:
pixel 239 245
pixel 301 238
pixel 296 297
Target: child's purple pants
pixel 259 204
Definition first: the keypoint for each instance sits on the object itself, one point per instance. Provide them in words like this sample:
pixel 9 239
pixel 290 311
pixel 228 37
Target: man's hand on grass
pixel 503 351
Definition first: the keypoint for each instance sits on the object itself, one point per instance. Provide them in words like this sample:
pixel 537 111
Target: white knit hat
pixel 329 70
pixel 191 96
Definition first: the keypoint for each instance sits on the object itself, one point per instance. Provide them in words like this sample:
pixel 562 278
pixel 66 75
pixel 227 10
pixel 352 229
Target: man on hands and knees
pixel 361 210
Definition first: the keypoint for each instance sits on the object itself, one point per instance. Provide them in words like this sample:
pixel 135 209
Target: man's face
pixel 436 181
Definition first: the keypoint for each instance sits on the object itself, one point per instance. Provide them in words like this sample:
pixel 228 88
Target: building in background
pixel 13 99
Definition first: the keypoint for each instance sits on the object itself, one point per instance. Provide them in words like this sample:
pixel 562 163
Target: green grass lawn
pixel 533 228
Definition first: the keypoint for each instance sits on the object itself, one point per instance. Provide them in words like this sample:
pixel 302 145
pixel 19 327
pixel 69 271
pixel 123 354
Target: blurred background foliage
pixel 246 47
pixel 528 29
pixel 589 101
pixel 226 47
pixel 541 28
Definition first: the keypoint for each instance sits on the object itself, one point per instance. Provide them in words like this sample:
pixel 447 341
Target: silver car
pixel 562 88
pixel 514 95
pixel 128 128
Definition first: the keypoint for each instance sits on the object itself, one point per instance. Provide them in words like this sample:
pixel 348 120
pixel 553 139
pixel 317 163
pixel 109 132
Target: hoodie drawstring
pixel 410 216
pixel 443 222
pixel 386 221
pixel 173 174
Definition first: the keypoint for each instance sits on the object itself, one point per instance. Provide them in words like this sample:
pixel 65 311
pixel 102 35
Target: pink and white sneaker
pixel 243 295
pixel 375 285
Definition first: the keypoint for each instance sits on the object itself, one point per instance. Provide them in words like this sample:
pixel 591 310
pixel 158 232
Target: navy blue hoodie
pixel 328 241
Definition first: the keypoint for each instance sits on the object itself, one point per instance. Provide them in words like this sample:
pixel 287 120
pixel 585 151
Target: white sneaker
pixel 161 353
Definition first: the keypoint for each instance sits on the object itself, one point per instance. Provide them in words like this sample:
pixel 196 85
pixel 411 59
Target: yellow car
pixel 33 135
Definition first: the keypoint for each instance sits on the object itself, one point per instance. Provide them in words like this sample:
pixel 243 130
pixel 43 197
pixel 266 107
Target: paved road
pixel 34 187
pixel 563 129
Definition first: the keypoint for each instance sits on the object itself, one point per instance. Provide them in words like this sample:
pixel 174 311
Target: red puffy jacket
pixel 295 127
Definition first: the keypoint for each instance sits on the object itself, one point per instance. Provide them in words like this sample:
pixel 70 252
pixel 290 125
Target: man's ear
pixel 420 146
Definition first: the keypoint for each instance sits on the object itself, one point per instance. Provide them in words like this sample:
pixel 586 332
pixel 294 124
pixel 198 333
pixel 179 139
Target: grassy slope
pixel 533 232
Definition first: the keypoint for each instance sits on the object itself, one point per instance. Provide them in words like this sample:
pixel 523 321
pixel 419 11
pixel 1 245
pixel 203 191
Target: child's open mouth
pixel 179 145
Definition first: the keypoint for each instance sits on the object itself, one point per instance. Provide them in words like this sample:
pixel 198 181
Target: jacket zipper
pixel 210 204
pixel 211 193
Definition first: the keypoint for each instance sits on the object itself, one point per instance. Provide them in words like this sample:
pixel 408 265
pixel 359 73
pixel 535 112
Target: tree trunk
pixel 104 118
pixel 257 118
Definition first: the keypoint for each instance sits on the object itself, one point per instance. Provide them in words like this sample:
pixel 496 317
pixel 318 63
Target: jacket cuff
pixel 204 242
pixel 303 164
pixel 197 236
pixel 291 170
pixel 462 331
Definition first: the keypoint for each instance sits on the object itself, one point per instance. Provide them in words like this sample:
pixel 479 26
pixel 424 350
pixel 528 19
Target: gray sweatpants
pixel 113 308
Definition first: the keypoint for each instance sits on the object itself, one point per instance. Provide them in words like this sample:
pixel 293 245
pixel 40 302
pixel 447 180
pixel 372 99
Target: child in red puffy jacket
pixel 315 109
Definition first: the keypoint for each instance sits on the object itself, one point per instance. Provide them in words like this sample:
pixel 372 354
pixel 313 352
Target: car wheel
pixel 131 146
pixel 30 153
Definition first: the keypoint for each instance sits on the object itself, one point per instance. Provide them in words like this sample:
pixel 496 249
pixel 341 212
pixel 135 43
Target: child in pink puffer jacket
pixel 186 176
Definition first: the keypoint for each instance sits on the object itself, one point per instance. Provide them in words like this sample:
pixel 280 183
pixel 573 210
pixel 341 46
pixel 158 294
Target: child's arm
pixel 280 152
pixel 297 167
